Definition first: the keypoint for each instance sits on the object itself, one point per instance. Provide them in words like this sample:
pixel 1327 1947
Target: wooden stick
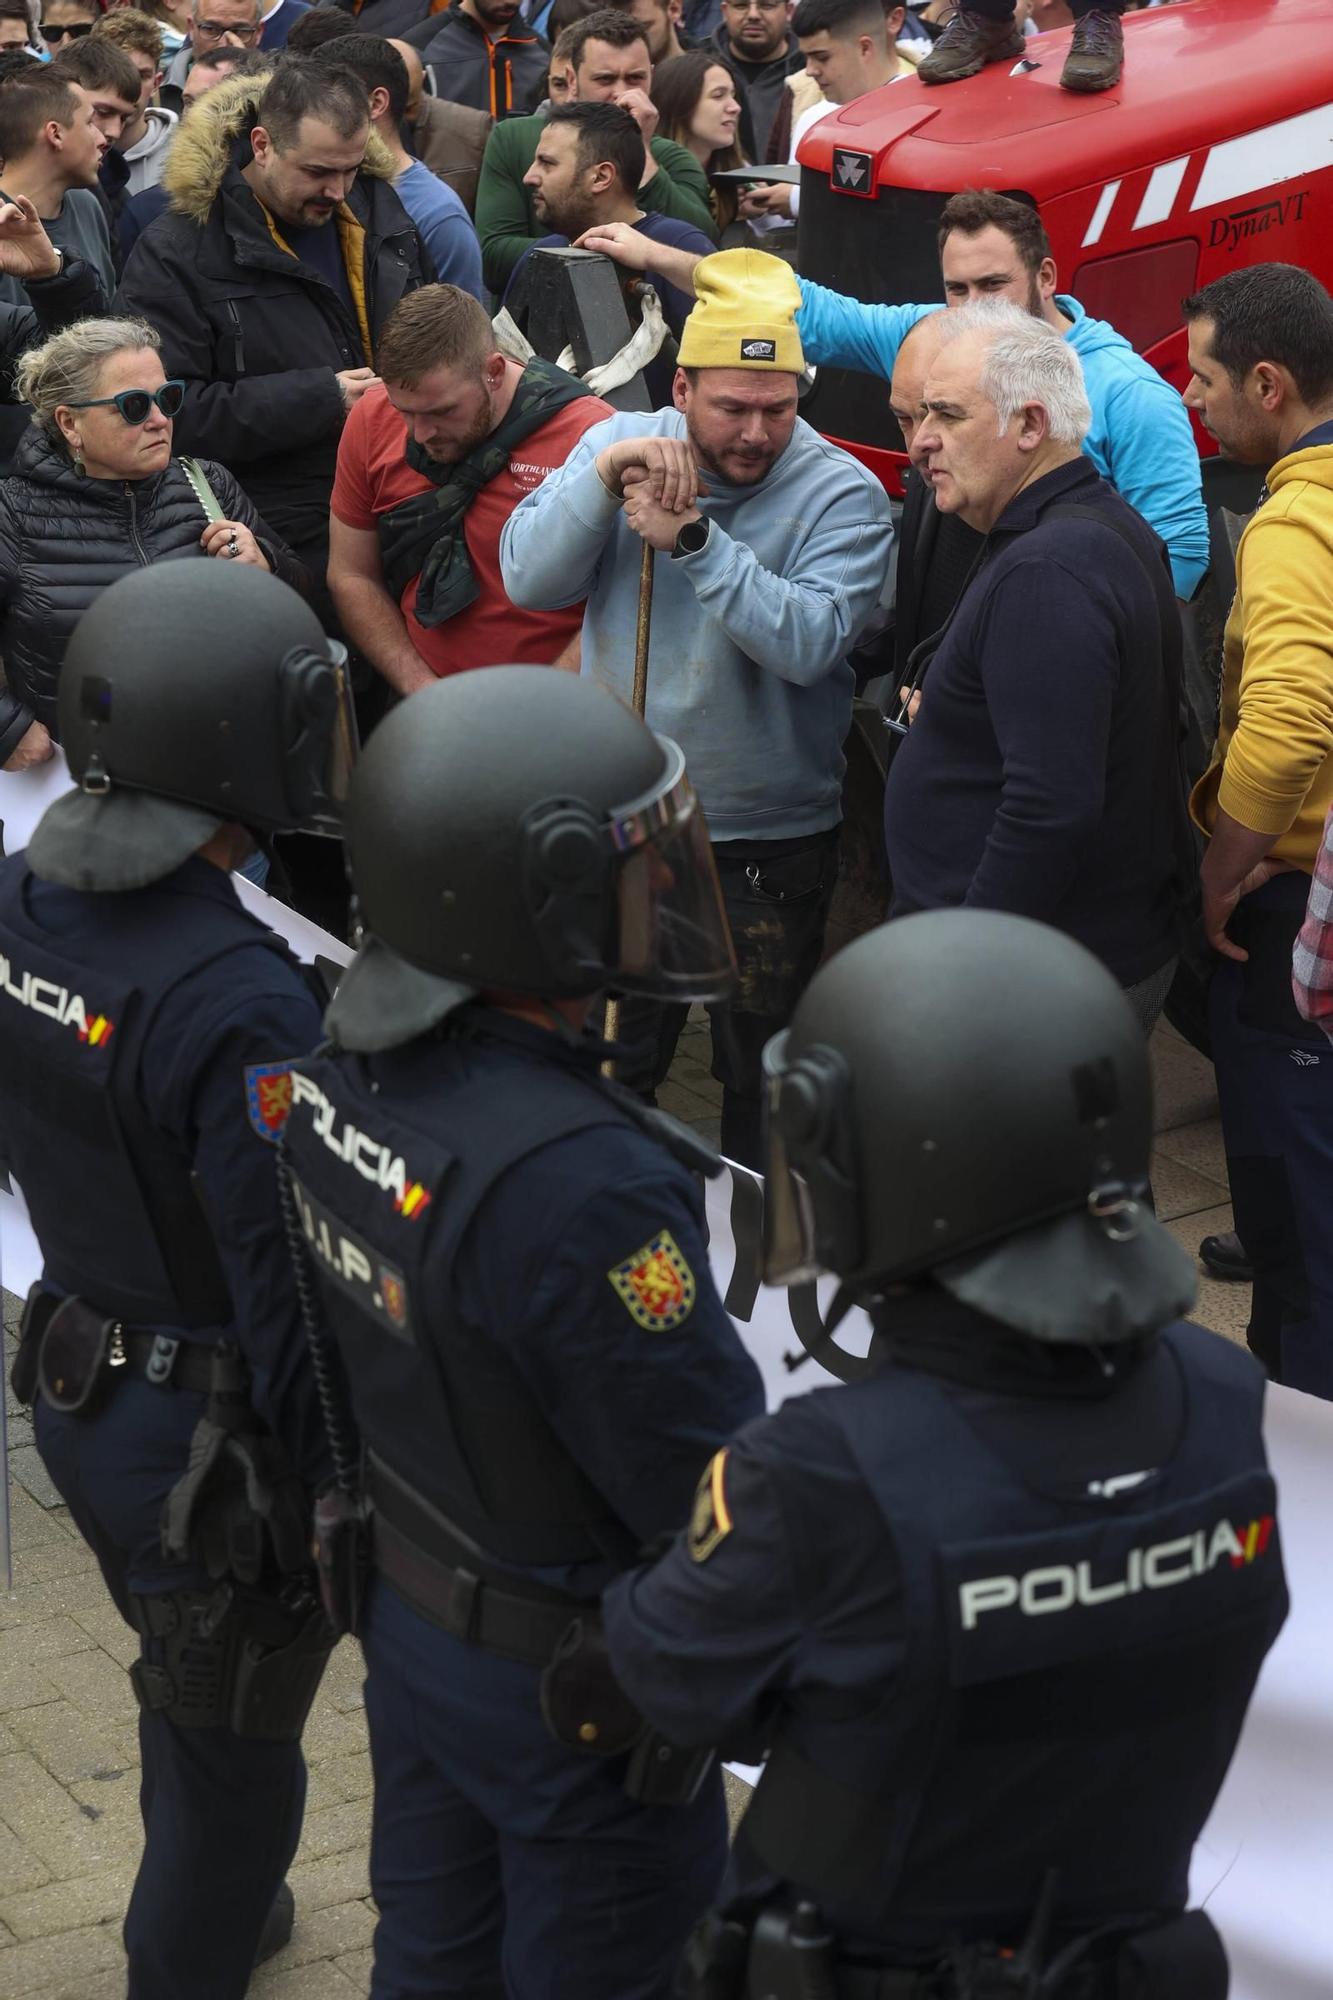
pixel 639 699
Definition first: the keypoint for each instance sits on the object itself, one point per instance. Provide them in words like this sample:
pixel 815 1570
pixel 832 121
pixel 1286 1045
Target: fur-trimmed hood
pixel 202 148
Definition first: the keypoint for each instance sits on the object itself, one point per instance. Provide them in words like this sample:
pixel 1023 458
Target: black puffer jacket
pixel 64 538
pixel 256 334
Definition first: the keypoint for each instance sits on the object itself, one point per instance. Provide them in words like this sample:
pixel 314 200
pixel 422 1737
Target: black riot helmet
pixel 193 693
pixel 519 829
pixel 968 1094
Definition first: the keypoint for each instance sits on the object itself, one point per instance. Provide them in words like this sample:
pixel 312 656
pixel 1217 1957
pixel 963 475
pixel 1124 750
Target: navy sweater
pixel 1040 775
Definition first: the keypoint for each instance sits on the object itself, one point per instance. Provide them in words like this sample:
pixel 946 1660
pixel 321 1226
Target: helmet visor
pixel 672 941
pixel 789 1217
pixel 322 739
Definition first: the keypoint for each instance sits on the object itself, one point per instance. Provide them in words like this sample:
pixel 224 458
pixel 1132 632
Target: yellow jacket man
pixel 1261 355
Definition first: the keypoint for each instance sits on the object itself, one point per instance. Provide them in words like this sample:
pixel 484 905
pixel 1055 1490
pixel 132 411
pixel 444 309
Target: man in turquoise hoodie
pixel 992 247
pixel 774 553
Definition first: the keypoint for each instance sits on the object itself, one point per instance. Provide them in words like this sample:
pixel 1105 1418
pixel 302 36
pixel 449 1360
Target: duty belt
pixel 442 1576
pixel 167 1363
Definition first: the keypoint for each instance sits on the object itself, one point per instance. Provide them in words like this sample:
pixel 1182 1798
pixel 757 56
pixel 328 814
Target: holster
pixel 585 1708
pixel 715 1960
pixel 240 1660
pixel 37 1310
pixel 1182 1956
pixel 793 1956
pixel 76 1352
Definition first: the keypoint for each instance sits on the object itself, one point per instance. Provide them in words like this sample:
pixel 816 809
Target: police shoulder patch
pixel 655 1283
pixel 710 1520
pixel 268 1098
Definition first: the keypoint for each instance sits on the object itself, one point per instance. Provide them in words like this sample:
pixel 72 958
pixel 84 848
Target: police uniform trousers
pixel 777 895
pixel 1275 1085
pixel 505 1866
pixel 221 1813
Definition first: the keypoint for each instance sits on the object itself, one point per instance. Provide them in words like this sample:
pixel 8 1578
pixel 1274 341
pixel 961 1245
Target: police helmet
pixel 519 829
pixel 968 1094
pixel 193 693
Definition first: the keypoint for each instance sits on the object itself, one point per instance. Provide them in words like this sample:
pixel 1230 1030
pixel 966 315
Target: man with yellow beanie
pixel 774 552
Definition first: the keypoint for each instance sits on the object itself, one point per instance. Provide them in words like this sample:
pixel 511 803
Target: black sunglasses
pixel 134 404
pixel 74 29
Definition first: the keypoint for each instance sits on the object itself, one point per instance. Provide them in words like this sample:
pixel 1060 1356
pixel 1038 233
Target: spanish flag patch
pixel 656 1283
pixel 710 1520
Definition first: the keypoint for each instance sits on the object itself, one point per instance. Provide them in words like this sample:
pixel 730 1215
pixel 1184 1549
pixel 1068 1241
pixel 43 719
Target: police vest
pixel 110 1195
pixel 1076 1673
pixel 389 1168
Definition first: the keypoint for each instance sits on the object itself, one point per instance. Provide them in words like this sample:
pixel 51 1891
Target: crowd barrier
pixel 1264 1864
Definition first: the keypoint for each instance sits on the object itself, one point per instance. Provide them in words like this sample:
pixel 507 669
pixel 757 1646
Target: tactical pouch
pixel 662 1774
pixel 278 1673
pixel 1184 1956
pixel 78 1351
pixel 342 1558
pixel 584 1707
pixel 37 1312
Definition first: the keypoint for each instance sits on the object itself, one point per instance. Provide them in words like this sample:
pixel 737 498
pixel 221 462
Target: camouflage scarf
pixel 424 535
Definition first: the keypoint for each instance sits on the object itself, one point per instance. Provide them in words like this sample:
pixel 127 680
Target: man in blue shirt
pixel 584 175
pixel 443 224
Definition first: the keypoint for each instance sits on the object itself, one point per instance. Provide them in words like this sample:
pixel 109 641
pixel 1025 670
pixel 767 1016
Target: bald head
pixel 916 357
pixel 416 75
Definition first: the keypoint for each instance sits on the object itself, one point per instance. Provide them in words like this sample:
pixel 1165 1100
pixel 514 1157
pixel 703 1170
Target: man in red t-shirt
pixel 431 465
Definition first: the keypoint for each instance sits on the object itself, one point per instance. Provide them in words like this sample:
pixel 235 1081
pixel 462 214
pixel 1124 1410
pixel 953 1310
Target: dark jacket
pixel 1041 774
pixel 64 538
pixel 761 89
pixel 936 553
pixel 258 336
pixel 76 293
pixel 394 19
pixel 113 191
pixel 506 78
pixel 280 25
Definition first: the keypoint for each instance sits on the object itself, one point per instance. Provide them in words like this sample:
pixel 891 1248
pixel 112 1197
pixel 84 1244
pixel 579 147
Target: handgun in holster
pixel 793 1956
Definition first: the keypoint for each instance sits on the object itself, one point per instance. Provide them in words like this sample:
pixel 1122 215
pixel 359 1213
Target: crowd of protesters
pixel 301 218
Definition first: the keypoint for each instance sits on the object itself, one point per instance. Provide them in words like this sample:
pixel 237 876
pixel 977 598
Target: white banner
pixel 1264 1866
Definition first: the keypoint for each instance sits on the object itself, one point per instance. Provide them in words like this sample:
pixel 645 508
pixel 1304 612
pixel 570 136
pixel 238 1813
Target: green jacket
pixel 504 217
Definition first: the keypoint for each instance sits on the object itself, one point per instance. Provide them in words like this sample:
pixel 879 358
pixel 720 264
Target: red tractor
pixel 1216 150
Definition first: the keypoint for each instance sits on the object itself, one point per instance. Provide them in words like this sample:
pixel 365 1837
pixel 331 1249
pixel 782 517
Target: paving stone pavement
pixel 69 1825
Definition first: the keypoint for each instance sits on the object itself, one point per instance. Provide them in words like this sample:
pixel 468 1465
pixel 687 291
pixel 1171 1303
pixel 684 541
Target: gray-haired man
pixel 216 24
pixel 1040 774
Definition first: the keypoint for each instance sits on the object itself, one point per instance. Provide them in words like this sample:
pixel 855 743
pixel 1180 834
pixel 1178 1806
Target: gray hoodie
pixel 750 635
pixel 148 156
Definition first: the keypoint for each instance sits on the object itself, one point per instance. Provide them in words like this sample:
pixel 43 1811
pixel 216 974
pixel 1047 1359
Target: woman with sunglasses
pixel 95 492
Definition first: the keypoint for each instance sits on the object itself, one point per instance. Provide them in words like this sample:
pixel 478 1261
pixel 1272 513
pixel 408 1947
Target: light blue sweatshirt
pixel 748 665
pixel 1140 437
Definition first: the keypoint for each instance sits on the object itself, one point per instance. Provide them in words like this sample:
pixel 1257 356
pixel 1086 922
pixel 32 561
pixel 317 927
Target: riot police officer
pixel 997 1605
pixel 146 1027
pixel 511 1257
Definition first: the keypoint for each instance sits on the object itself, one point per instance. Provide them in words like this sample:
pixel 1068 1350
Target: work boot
pixel 278 1925
pixel 968 43
pixel 1096 54
pixel 1224 1257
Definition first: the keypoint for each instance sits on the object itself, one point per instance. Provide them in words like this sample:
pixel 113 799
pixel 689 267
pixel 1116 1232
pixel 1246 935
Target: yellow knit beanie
pixel 745 315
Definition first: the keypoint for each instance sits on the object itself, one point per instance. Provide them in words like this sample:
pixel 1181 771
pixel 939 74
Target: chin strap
pixel 816 1336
